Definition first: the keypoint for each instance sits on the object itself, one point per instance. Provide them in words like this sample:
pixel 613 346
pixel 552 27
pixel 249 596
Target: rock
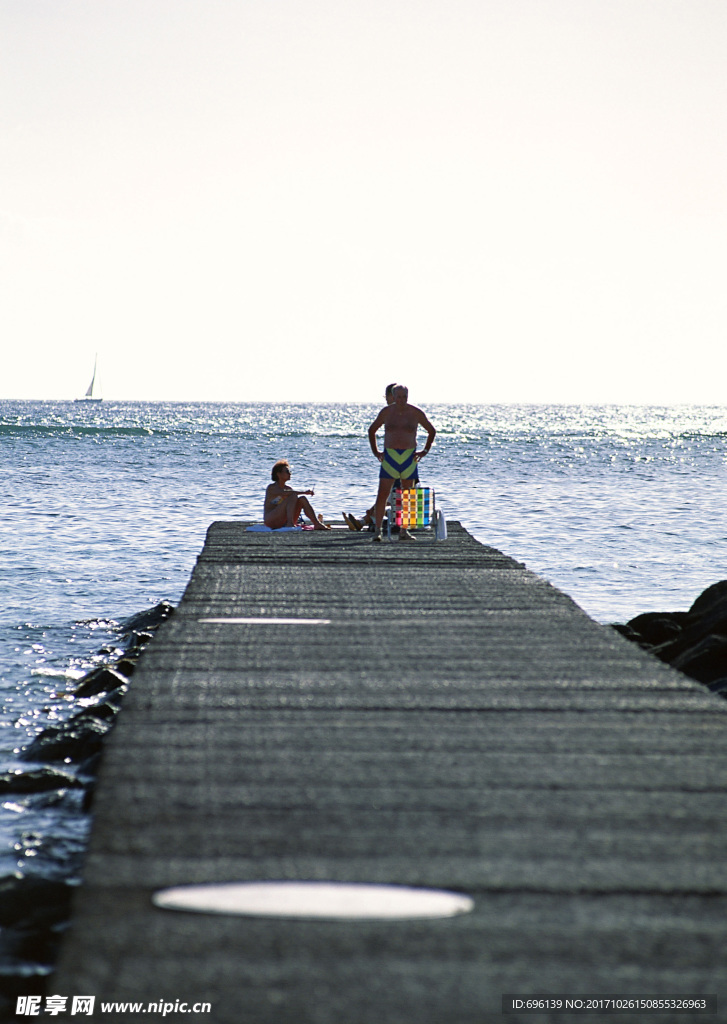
pixel 107 706
pixel 34 948
pixel 657 627
pixel 100 680
pixel 80 736
pixel 88 769
pixel 76 739
pixel 626 631
pixel 33 914
pixel 151 618
pixel 37 780
pixel 136 642
pixel 32 901
pixel 710 599
pixel 713 622
pixel 87 772
pixel 706 661
pixel 695 641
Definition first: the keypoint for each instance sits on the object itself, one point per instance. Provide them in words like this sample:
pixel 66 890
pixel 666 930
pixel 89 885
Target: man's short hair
pixel 390 389
pixel 280 464
pixel 401 387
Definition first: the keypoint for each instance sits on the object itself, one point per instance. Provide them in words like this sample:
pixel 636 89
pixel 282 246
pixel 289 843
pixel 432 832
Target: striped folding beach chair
pixel 413 507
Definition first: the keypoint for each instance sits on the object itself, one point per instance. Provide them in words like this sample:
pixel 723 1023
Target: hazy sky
pixel 492 200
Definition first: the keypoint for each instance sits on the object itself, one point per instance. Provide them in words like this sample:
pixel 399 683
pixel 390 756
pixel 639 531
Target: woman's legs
pixel 287 512
pixel 302 504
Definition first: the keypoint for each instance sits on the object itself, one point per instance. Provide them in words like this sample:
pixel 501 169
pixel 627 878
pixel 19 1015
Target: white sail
pixel 89 392
pixel 89 396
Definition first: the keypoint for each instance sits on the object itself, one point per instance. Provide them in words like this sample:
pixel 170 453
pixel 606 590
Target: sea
pixel 105 506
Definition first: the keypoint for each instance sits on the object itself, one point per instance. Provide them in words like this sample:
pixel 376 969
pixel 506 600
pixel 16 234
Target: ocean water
pixel 105 508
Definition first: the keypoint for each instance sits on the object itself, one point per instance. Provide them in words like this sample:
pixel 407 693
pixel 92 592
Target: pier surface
pixel 458 724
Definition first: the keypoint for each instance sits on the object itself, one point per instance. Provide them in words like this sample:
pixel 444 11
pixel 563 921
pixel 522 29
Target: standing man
pixel 399 457
pixel 369 516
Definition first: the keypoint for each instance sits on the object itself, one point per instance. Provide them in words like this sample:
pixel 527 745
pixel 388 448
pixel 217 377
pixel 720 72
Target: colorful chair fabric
pixel 413 507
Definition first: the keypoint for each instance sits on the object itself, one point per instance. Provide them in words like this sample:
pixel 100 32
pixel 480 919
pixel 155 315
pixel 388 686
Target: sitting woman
pixel 283 505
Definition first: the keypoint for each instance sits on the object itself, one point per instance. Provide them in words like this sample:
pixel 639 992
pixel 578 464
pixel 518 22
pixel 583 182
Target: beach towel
pixel 261 528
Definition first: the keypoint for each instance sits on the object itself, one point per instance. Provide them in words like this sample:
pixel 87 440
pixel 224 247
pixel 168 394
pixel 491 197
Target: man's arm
pixel 376 425
pixel 431 432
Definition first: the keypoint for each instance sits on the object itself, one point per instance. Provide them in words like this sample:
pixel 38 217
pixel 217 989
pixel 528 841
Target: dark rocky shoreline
pixel 693 641
pixel 63 763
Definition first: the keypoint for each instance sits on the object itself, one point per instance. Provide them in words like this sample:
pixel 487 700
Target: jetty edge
pixel 454 722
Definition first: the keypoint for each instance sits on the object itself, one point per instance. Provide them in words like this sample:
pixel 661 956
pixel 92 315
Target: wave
pixel 266 421
pixel 79 430
pixel 32 431
pixel 59 673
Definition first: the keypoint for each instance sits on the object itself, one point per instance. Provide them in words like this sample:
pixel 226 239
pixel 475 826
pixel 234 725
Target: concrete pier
pixel 457 723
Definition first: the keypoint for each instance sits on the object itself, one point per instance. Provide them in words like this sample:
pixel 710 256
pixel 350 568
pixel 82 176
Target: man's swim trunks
pixel 399 464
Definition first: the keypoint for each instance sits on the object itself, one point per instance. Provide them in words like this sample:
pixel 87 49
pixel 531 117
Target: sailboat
pixel 89 396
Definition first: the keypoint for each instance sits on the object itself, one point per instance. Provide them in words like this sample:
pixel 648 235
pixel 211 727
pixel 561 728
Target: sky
pixel 302 200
